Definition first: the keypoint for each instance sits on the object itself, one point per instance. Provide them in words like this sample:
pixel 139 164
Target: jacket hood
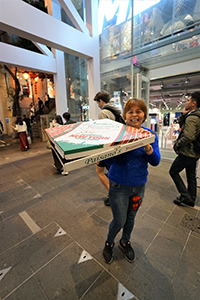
pixel 118 111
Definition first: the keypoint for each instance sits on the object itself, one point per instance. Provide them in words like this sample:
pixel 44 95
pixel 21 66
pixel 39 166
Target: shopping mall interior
pixel 53 227
pixel 150 52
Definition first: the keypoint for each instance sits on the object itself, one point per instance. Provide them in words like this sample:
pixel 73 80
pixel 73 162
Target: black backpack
pixel 118 117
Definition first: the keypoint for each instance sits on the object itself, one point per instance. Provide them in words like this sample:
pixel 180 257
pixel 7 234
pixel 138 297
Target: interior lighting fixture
pixel 36 79
pixel 161 85
pixel 26 75
pixel 166 106
pixel 186 80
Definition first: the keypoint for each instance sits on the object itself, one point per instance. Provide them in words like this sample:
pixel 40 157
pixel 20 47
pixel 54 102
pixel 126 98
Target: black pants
pixel 57 162
pixel 189 164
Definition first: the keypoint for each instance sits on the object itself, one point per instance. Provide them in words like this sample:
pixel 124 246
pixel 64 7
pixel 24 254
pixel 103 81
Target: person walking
pixel 128 175
pixel 187 157
pixel 47 100
pixel 57 121
pixel 40 106
pixel 21 128
pixel 28 125
pixel 32 112
pixel 1 133
pixel 102 99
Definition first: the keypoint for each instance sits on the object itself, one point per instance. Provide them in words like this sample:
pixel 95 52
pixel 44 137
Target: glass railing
pixel 164 20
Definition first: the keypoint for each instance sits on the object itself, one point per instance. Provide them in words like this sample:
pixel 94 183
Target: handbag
pixel 29 139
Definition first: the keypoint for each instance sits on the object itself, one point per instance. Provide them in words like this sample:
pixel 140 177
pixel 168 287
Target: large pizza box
pixel 93 141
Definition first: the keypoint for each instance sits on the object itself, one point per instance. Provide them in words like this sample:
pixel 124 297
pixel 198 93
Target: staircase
pixel 36 129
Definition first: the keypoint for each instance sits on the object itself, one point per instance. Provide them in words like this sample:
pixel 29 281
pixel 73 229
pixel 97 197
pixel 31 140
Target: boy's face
pixel 100 103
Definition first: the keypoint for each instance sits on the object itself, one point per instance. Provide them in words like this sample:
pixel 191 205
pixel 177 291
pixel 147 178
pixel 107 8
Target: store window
pixel 77 87
pixel 164 19
pixel 80 7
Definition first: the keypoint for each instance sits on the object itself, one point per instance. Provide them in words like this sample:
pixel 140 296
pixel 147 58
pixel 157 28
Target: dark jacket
pixel 1 127
pixel 28 122
pixel 70 121
pixel 190 129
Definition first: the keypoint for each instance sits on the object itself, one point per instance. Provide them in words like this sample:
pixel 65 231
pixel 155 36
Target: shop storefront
pixel 153 59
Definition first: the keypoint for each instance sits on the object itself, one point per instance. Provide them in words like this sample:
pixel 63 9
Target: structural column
pixel 60 76
pixel 93 63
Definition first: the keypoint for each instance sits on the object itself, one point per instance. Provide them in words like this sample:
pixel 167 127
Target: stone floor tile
pixel 160 211
pixel 181 290
pixel 30 255
pixel 146 228
pixel 18 205
pixel 189 264
pixel 145 285
pixel 106 287
pixel 167 247
pixel 64 278
pixel 12 231
pixel 30 290
pixel 104 212
pixel 5 197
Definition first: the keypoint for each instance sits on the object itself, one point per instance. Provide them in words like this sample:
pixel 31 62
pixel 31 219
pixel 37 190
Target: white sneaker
pixel 64 173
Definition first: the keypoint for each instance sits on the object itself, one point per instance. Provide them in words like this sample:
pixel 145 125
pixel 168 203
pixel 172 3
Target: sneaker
pixel 64 173
pixel 128 251
pixel 107 202
pixel 185 202
pixel 108 253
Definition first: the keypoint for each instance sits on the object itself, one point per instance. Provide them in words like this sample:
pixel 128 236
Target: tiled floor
pixel 53 230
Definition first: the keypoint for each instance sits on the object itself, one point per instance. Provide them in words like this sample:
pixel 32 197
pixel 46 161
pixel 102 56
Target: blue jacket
pixel 131 168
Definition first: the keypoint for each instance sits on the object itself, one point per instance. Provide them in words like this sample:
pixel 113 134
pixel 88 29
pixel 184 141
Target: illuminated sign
pixel 108 9
pixel 186 44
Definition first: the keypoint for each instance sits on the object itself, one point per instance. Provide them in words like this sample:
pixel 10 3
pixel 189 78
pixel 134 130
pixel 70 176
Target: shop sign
pixel 186 44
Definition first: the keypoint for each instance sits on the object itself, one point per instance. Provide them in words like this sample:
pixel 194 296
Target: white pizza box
pixel 87 138
pixel 93 141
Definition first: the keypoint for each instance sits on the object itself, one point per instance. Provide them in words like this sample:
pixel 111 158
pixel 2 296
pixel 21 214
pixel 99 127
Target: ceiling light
pixel 26 75
pixel 161 84
pixel 186 80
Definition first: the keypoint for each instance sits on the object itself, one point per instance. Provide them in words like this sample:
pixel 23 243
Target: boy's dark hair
pixel 196 97
pixel 66 116
pixel 59 119
pixel 104 96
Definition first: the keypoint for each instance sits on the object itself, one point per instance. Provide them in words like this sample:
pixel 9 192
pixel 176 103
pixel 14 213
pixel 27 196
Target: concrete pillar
pixel 59 77
pixel 93 63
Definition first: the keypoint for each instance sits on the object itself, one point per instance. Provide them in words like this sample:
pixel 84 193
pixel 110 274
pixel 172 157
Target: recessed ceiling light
pixel 186 80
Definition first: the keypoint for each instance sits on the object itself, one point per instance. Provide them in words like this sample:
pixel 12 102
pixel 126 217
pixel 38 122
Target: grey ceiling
pixel 173 89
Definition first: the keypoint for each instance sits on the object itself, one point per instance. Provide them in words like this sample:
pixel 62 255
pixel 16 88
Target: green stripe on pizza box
pixel 69 148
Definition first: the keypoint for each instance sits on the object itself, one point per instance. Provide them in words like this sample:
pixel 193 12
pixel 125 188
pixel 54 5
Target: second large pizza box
pixel 95 137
